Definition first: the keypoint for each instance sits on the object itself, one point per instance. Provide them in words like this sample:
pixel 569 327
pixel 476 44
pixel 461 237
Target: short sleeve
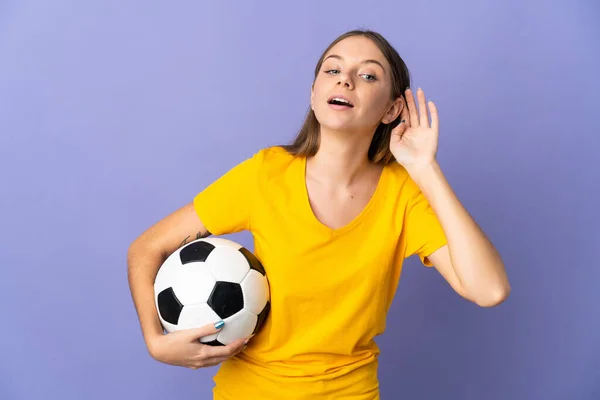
pixel 423 233
pixel 224 206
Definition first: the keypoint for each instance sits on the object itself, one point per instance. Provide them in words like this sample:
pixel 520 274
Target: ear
pixel 312 96
pixel 394 111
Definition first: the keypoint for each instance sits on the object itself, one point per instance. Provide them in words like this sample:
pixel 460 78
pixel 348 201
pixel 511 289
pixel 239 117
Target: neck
pixel 342 158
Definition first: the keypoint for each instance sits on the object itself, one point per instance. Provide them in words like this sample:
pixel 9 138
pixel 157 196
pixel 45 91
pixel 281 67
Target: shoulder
pixel 401 189
pixel 274 159
pixel 273 154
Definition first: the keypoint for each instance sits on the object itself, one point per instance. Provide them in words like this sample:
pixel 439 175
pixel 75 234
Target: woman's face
pixel 352 90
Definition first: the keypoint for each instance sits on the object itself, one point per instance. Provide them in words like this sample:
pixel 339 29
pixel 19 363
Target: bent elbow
pixel 135 251
pixel 493 298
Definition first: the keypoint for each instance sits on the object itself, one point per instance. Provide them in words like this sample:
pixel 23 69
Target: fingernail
pixel 219 324
pixel 246 341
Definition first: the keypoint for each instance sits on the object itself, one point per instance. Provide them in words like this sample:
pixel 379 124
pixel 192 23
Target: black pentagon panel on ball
pixel 226 299
pixel 169 306
pixel 195 252
pixel 254 263
pixel 213 343
pixel 261 317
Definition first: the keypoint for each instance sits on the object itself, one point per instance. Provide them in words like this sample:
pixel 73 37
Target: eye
pixel 369 77
pixel 332 71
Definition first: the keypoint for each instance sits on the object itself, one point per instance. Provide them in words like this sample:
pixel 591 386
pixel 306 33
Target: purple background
pixel 113 114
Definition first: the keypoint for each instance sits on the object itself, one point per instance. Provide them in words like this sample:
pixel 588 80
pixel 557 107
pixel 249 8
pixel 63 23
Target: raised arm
pixel 469 261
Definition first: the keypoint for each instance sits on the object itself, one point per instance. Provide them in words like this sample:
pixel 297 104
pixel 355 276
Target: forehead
pixel 356 49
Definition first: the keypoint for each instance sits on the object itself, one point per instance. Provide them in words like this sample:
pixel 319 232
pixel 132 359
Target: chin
pixel 338 127
pixel 337 122
pixel 344 126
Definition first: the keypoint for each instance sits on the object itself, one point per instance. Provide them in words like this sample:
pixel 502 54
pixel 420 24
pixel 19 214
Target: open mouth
pixel 340 101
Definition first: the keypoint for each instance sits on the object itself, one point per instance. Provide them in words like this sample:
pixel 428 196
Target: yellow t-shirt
pixel 330 288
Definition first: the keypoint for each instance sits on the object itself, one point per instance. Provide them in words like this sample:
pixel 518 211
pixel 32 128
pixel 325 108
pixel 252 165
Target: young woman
pixel 333 216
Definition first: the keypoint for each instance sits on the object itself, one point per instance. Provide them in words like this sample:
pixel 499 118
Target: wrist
pixel 422 173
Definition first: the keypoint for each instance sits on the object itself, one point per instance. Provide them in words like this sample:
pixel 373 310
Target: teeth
pixel 340 100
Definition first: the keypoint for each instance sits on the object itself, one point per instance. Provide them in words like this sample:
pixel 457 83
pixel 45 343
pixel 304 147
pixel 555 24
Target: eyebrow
pixel 363 62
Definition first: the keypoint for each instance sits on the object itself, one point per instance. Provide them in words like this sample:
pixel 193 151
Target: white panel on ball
pixel 198 316
pixel 227 265
pixel 238 326
pixel 255 290
pixel 193 283
pixel 222 242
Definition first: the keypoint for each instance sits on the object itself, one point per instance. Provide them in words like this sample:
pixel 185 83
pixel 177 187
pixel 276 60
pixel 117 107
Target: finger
pixel 211 362
pixel 198 333
pixel 219 359
pixel 435 122
pixel 413 119
pixel 399 129
pixel 207 361
pixel 424 117
pixel 223 351
pixel 245 344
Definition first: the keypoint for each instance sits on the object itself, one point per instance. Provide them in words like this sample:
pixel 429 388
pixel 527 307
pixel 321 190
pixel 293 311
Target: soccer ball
pixel 208 280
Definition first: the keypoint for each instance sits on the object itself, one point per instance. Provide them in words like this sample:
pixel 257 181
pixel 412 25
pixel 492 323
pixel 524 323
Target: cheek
pixel 318 97
pixel 378 104
pixel 317 91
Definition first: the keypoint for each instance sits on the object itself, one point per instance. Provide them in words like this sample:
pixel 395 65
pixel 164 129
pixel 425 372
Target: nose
pixel 344 80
